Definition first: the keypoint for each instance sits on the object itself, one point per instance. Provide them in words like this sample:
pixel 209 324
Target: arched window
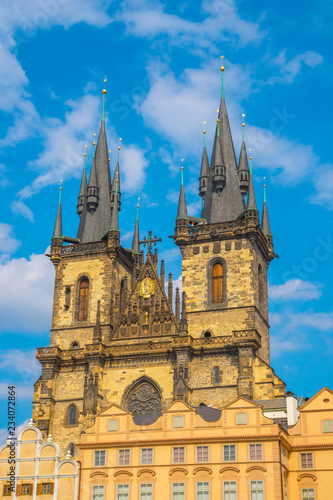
pixel 72 415
pixel 75 345
pixel 83 299
pixel 207 335
pixel 217 283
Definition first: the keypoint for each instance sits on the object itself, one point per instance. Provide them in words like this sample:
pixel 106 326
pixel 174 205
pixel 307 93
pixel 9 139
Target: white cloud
pixel 26 293
pixel 20 208
pixel 133 165
pixel 290 69
pixel 317 320
pixel 8 242
pixel 23 363
pixel 64 142
pixel 295 289
pixel 223 22
pixel 4 181
pixel 280 346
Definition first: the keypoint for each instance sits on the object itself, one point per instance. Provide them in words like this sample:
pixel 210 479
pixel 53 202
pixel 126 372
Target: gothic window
pixel 83 299
pixel 216 375
pixel 143 398
pixel 72 415
pixel 218 283
pixel 207 335
pixel 261 287
pixel 75 345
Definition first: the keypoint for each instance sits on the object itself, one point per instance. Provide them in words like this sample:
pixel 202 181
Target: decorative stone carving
pixel 144 399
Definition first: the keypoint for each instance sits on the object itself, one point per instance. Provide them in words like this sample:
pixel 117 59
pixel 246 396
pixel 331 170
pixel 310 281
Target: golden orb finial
pixel 222 68
pixel 60 188
pixel 182 167
pixel 243 124
pixel 85 154
pixel 120 139
pixel 204 130
pixel 138 205
pixel 104 90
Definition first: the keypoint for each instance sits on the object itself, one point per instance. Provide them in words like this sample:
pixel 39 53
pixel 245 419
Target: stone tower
pixel 115 336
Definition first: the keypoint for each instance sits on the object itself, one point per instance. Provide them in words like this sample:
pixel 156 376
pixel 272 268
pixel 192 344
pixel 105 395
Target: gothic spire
pixel 136 238
pixel 182 210
pixel 265 225
pixel 204 172
pixel 57 233
pixel 251 198
pixel 114 197
pixel 95 222
pixel 243 167
pixel 114 226
pixel 83 187
pixel 224 204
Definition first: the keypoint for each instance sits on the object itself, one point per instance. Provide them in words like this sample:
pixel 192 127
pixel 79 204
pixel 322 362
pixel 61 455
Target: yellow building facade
pixel 203 454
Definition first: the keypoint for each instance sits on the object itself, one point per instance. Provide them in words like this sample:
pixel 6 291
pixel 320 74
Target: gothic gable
pixel 145 311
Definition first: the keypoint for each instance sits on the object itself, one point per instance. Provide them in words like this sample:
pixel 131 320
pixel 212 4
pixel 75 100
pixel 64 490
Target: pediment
pixel 241 402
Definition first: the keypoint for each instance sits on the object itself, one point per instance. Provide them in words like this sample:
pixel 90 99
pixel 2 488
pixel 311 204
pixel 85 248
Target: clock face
pixel 147 287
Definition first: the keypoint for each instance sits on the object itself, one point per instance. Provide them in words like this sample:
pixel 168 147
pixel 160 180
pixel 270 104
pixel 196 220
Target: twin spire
pixel 226 188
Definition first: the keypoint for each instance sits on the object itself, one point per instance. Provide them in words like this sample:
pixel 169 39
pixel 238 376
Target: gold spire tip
pixel 60 185
pixel 104 90
pixel 222 68
pixel 217 120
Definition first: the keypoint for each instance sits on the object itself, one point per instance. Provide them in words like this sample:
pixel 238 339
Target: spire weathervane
pixel 243 124
pixel 94 144
pixel 119 148
pixel 222 68
pixel 104 94
pixel 204 133
pixel 250 158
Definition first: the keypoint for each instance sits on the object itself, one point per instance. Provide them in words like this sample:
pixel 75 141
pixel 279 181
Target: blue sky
pixel 162 63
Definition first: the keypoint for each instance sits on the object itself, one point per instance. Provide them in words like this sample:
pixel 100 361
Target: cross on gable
pixel 149 241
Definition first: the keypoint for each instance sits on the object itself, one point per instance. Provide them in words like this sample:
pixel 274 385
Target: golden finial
pixel 182 167
pixel 104 90
pixel 138 203
pixel 60 188
pixel 222 68
pixel 264 182
pixel 85 154
pixel 204 130
pixel 109 153
pixel 119 143
pixel 243 124
pixel 250 158
pixel 94 143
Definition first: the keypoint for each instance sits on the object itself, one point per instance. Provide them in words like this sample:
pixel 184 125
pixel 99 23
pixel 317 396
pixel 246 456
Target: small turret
pixel 136 238
pixel 265 224
pixel 204 173
pixel 182 210
pixel 116 198
pixel 83 188
pixel 243 167
pixel 251 199
pixel 219 175
pixel 93 190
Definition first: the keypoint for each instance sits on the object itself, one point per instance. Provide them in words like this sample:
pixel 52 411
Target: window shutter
pixel 19 490
pixel 51 488
pixel 39 489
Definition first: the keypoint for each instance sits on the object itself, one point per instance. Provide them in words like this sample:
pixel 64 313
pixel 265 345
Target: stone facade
pixel 210 355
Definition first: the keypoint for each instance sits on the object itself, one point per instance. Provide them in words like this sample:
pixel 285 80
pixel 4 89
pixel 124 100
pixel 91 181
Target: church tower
pixel 116 337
